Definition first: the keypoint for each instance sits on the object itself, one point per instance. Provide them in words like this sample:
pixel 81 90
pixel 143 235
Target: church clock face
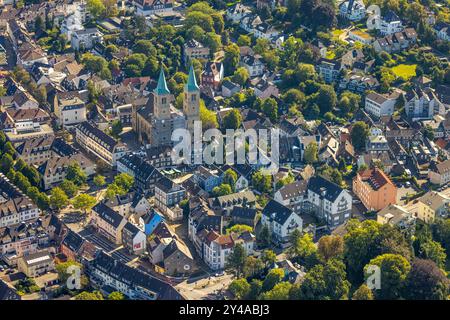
pixel 187 267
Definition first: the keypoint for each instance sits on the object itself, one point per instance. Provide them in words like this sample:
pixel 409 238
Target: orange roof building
pixel 374 188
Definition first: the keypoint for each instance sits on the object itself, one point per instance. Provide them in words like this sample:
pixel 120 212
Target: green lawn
pixel 405 71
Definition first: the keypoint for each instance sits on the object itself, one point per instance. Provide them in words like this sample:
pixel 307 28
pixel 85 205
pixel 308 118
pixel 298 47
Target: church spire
pixel 161 88
pixel 191 84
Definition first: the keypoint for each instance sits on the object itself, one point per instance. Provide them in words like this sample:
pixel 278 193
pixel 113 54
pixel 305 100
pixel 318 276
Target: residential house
pixel 108 222
pixel 99 143
pixel 329 70
pixel 390 23
pixel 292 195
pixel 230 88
pixel 15 207
pixel 433 205
pixel 281 221
pixel 226 203
pixel 168 195
pixel 70 111
pixel 397 216
pixel 396 42
pixel 85 39
pixel 135 284
pixel 54 170
pixel 265 89
pixel 36 264
pixel 374 188
pixel 145 175
pixel 195 50
pixel 237 11
pixel 134 239
pixel 207 179
pixel 352 10
pixel 71 245
pixel 149 7
pixel 422 104
pixel 242 215
pixel 439 173
pixel 212 75
pixel 379 105
pixel 8 292
pixel 253 64
pixel 442 31
pixel 328 201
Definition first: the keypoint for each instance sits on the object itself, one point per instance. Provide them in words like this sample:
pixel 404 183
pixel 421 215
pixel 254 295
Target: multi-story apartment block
pixel 99 143
pixel 36 264
pixel 54 170
pixel 15 207
pixel 328 69
pixel 281 221
pixel 390 23
pixel 328 201
pixel 108 222
pixel 439 173
pixel 374 188
pixel 104 270
pixel 379 105
pixel 352 10
pixel 433 205
pixel 422 104
pixel 145 175
pixel 195 50
pixel 70 111
pixel 168 195
pixel 292 195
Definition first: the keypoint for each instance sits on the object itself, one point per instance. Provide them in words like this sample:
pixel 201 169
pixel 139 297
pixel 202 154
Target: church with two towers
pixel 155 122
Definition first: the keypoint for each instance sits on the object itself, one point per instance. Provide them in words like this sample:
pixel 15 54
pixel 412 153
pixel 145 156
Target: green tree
pixel 280 291
pixel 359 134
pixel 232 120
pixel 325 282
pixel 222 190
pixel 240 288
pixel 58 199
pixel 84 202
pixel 230 178
pixel 69 188
pixel 99 180
pixel 255 289
pixel 6 163
pixel 244 40
pixel 330 247
pixel 116 295
pixel 274 276
pixel 240 76
pixel 268 257
pixel 433 250
pixel 76 174
pixel 124 181
pixel 264 237
pixel 207 117
pixel 96 8
pixel 116 128
pixel 262 182
pixel 96 295
pixel 231 58
pixel 326 99
pixel 363 293
pixel 252 266
pixel 426 281
pixel 236 260
pixel 311 154
pixel 270 109
pixel 394 270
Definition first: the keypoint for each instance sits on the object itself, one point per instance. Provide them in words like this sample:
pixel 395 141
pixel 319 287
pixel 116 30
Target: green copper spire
pixel 191 84
pixel 161 88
